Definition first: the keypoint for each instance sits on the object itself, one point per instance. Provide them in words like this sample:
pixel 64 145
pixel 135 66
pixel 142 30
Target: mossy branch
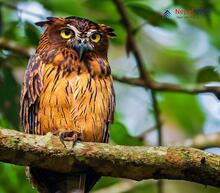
pixel 138 163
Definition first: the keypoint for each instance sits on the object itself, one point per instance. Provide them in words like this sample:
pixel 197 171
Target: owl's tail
pixel 53 182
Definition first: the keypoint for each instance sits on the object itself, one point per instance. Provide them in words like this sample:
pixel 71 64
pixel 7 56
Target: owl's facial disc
pixel 78 43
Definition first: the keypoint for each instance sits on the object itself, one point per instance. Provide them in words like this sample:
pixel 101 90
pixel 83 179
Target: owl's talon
pixel 69 136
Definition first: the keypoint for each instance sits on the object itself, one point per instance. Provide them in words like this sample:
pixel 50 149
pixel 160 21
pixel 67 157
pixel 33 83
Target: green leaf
pixel 31 33
pixel 66 7
pixel 10 31
pixel 104 182
pixel 3 122
pixel 207 74
pixel 120 135
pixel 144 187
pixel 1 20
pixel 13 178
pixel 196 4
pixel 9 101
pixel 148 14
pixel 184 111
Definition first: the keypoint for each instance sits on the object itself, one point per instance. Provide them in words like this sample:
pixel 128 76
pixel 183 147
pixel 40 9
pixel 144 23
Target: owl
pixel 68 91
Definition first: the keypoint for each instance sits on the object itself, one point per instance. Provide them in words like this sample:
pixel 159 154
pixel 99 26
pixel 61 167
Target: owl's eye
pixel 95 37
pixel 66 33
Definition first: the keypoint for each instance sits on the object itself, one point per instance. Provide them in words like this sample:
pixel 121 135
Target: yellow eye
pixel 95 38
pixel 66 33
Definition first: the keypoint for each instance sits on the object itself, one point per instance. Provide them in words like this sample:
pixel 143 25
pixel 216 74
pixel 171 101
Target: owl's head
pixel 78 34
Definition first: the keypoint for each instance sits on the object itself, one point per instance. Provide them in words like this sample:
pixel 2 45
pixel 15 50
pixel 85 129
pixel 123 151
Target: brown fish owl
pixel 68 91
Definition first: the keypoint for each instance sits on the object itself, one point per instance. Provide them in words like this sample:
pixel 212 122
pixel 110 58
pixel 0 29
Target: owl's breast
pixel 74 102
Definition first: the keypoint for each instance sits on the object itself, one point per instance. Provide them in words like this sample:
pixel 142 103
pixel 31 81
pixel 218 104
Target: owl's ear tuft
pixel 112 34
pixel 48 22
pixel 43 23
pixel 108 30
pixel 52 18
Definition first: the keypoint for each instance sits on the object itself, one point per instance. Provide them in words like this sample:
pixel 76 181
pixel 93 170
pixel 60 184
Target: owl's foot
pixel 69 136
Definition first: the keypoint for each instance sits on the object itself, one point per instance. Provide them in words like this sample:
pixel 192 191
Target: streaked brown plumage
pixel 68 90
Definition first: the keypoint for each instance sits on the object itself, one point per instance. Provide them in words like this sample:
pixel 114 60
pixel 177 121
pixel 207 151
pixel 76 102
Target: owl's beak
pixel 81 48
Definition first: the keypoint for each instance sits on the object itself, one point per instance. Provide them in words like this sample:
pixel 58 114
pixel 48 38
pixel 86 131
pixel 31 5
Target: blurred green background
pixel 181 49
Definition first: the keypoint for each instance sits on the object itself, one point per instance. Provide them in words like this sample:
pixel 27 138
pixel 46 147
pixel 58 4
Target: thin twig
pixel 157 117
pixel 131 81
pixel 201 141
pixel 132 44
pixel 144 74
pixel 160 183
pixel 170 87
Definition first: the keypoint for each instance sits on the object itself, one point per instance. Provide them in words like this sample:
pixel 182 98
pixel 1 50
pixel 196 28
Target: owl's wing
pixel 111 108
pixel 31 89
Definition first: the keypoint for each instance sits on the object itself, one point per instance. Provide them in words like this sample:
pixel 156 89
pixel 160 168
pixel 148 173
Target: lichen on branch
pixel 138 163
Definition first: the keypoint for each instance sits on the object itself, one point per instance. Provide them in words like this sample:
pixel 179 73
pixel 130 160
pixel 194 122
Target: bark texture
pixel 138 163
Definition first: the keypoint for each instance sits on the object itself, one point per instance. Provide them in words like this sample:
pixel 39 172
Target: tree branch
pixel 128 80
pixel 163 87
pixel 202 141
pixel 136 163
pixel 170 87
pixel 13 46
